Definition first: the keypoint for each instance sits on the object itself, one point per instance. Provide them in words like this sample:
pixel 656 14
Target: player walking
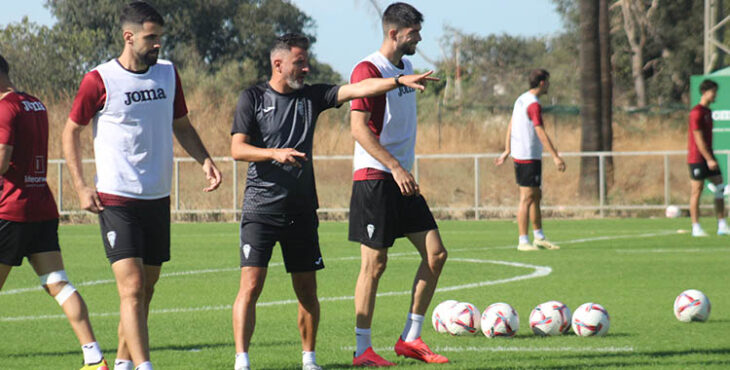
pixel 273 128
pixel 136 103
pixel 702 162
pixel 28 215
pixel 386 203
pixel 526 137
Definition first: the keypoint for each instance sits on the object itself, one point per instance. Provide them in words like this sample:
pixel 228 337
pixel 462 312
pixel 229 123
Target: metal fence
pixel 235 177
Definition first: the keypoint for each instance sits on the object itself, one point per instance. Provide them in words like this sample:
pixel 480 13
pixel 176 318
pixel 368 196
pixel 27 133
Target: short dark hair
pixel 401 15
pixel 139 12
pixel 290 40
pixel 4 67
pixel 708 85
pixel 538 75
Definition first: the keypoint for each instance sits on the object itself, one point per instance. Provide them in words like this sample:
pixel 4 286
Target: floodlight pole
pixel 712 43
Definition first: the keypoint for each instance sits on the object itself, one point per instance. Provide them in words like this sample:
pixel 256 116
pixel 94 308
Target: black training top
pixel 274 120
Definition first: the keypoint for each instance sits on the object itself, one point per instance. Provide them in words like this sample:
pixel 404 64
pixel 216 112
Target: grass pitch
pixel 633 267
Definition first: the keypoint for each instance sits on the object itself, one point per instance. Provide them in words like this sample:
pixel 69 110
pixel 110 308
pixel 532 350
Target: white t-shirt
pixel 526 115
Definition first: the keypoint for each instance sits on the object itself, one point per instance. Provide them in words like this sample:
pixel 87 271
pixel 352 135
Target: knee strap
pixel 58 277
pixel 66 292
pixel 719 191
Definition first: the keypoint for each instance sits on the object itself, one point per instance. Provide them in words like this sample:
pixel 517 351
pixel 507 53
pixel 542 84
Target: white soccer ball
pixel 591 319
pixel 441 314
pixel 550 318
pixel 500 320
pixel 463 319
pixel 692 305
pixel 672 212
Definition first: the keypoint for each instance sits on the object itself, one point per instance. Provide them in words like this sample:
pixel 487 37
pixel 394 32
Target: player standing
pixel 28 215
pixel 137 104
pixel 526 137
pixel 386 203
pixel 702 162
pixel 273 128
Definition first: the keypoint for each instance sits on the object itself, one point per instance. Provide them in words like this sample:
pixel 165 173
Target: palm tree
pixel 590 73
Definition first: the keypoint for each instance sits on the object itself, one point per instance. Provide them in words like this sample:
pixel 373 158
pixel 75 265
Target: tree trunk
pixel 590 75
pixel 604 34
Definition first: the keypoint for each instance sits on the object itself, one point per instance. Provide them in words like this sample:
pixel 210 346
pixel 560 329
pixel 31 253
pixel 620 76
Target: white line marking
pixel 510 349
pixel 665 250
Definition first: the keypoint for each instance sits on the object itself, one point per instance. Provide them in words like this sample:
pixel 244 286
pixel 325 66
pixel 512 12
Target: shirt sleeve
pixel 180 108
pixel 534 111
pixel 244 119
pixel 7 123
pixel 695 120
pixel 363 71
pixel 325 96
pixel 89 100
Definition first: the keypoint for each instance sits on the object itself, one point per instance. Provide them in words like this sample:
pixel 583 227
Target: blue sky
pixel 348 30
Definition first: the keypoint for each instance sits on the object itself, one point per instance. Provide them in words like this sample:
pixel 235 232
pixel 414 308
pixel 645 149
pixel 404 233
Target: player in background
pixel 702 162
pixel 273 129
pixel 526 137
pixel 136 104
pixel 28 213
pixel 386 202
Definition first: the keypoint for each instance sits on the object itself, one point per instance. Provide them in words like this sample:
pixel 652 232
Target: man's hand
pixel 499 160
pixel 712 164
pixel 559 163
pixel 212 174
pixel 417 82
pixel 89 199
pixel 288 156
pixel 406 182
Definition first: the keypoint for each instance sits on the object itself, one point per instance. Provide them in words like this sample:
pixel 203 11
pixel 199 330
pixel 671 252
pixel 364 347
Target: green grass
pixel 633 267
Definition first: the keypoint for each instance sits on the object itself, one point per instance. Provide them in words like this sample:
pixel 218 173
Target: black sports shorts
pixel 529 174
pixel 700 171
pixel 23 239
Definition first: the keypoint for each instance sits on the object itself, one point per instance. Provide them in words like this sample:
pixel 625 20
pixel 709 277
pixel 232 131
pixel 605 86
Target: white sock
pixel 721 223
pixel 145 366
pixel 696 226
pixel 241 361
pixel 308 358
pixel 121 364
pixel 362 336
pixel 412 330
pixel 538 234
pixel 92 353
pixel 524 239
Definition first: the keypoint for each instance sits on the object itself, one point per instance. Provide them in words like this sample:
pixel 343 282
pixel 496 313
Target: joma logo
pixel 144 95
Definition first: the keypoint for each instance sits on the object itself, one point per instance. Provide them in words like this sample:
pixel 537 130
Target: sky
pixel 349 30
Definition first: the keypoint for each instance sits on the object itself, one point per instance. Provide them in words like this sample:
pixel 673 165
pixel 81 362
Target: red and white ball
pixel 672 212
pixel 500 320
pixel 463 319
pixel 550 318
pixel 591 319
pixel 440 315
pixel 692 305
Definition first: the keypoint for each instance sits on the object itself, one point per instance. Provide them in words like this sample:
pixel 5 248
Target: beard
pixel 408 49
pixel 150 58
pixel 294 83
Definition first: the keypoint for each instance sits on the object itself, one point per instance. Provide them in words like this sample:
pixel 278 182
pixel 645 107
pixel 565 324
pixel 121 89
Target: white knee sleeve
pixel 719 191
pixel 58 277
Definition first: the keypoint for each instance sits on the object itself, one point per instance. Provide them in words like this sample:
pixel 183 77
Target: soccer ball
pixel 672 212
pixel 500 320
pixel 591 319
pixel 463 319
pixel 441 314
pixel 692 305
pixel 550 318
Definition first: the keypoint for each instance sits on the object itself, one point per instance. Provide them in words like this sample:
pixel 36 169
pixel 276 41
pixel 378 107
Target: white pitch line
pixel 511 349
pixel 665 250
pixel 538 271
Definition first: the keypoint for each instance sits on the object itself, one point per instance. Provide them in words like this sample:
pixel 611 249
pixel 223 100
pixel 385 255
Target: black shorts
pixel 140 230
pixel 700 171
pixel 297 235
pixel 23 239
pixel 529 174
pixel 380 213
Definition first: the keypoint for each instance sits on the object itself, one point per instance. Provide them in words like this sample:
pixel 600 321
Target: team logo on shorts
pixel 371 230
pixel 111 237
pixel 697 172
pixel 246 250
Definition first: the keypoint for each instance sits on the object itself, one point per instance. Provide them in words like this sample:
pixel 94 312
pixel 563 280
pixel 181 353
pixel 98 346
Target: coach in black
pixel 273 128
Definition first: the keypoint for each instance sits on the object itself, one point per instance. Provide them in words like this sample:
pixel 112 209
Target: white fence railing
pixel 476 208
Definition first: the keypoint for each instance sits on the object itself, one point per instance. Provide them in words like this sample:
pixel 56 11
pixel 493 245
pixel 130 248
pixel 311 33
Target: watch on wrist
pixel 398 83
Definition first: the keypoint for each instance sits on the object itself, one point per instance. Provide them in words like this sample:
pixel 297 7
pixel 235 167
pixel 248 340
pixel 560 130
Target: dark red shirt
pixel 25 196
pixel 700 118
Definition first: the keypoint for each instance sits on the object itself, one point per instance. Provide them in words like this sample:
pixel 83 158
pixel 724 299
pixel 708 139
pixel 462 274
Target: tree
pixel 604 35
pixel 637 17
pixel 590 87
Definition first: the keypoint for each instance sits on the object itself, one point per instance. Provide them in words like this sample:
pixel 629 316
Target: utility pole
pixel 713 37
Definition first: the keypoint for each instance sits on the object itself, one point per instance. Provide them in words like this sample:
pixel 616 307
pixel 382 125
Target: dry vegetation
pixel 445 183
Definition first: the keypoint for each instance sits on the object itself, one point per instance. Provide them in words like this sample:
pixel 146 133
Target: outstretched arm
pixel 378 86
pixel 190 141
